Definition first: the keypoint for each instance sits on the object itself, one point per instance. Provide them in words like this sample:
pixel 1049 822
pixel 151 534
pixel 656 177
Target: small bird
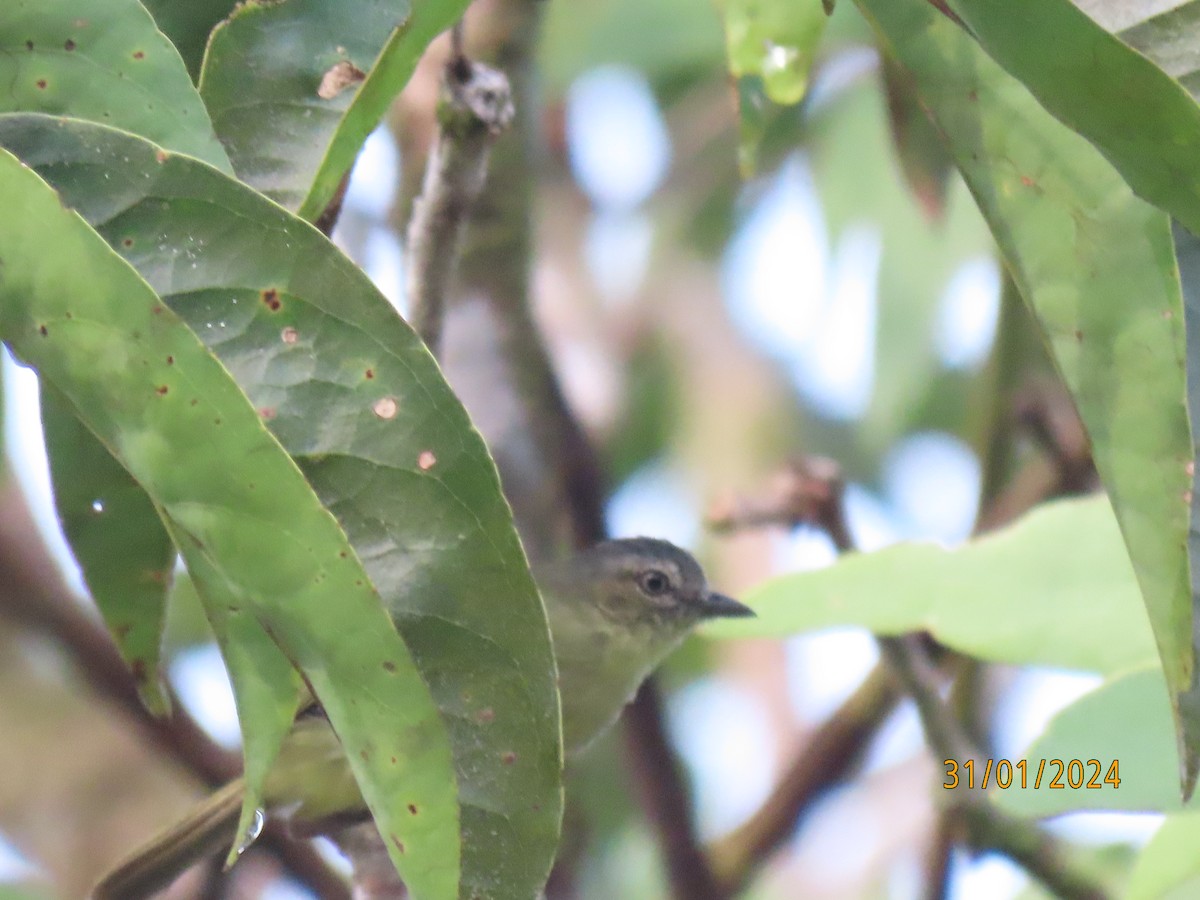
pixel 615 611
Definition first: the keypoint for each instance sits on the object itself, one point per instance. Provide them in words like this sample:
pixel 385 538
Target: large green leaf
pixel 188 24
pixel 267 63
pixel 1141 119
pixel 145 385
pixel 1096 266
pixel 1127 719
pixel 1055 589
pixel 118 540
pixel 355 396
pixel 105 61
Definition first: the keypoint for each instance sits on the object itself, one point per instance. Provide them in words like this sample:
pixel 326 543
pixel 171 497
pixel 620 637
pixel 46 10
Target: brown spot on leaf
pixel 29 45
pixel 364 754
pixel 389 666
pixel 160 156
pixel 412 808
pixel 161 390
pixel 1078 335
pixel 157 308
pixel 1027 181
pixel 338 77
pixel 508 757
pixel 426 460
pixel 139 54
pixel 385 407
pixel 393 760
pixel 170 360
pixel 399 843
pixel 43 330
pixel 370 373
pixel 1168 314
pixel 69 45
pixel 41 83
pixel 267 412
pixel 138 667
pixel 128 242
pixel 270 299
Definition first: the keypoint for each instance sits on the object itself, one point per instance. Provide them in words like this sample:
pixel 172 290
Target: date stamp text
pixel 1055 774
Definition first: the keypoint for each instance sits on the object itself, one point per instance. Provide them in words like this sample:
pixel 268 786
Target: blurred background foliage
pixel 741 261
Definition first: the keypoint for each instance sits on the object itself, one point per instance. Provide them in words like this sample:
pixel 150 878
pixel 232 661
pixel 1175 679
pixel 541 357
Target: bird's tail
pixel 207 829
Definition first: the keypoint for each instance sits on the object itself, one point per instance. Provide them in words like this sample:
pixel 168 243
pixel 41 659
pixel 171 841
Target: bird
pixel 615 611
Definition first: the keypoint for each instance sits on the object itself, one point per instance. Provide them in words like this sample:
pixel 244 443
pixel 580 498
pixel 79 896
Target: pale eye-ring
pixel 654 583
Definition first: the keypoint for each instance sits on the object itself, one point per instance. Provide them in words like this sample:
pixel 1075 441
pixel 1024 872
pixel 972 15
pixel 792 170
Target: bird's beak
pixel 718 606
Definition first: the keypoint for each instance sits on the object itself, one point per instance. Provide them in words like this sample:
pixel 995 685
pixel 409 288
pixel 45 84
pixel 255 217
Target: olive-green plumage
pixel 615 611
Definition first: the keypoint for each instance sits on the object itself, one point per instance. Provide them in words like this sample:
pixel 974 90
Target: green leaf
pixel 188 24
pixel 102 60
pixel 385 80
pixel 1141 119
pixel 265 66
pixel 267 690
pixel 1170 862
pixel 1020 595
pixel 1096 266
pixel 152 393
pixel 1166 36
pixel 118 540
pixel 1127 719
pixel 770 46
pixel 354 395
pixel 775 40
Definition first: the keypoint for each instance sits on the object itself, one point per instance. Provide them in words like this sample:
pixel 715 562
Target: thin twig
pixel 988 828
pixel 666 800
pixel 476 105
pixel 33 593
pixel 830 756
pixel 946 834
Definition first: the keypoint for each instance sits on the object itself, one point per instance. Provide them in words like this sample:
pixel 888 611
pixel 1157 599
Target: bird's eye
pixel 654 583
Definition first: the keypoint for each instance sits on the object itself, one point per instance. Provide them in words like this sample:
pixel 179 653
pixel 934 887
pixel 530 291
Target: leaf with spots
pixel 282 83
pixel 1096 265
pixel 105 61
pixel 118 540
pixel 242 513
pixel 353 394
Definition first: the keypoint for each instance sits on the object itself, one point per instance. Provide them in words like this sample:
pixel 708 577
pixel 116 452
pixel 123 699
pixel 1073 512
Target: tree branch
pixel 665 798
pixel 476 105
pixel 988 828
pixel 830 756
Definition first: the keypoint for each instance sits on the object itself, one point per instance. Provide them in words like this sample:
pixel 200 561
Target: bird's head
pixel 646 581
